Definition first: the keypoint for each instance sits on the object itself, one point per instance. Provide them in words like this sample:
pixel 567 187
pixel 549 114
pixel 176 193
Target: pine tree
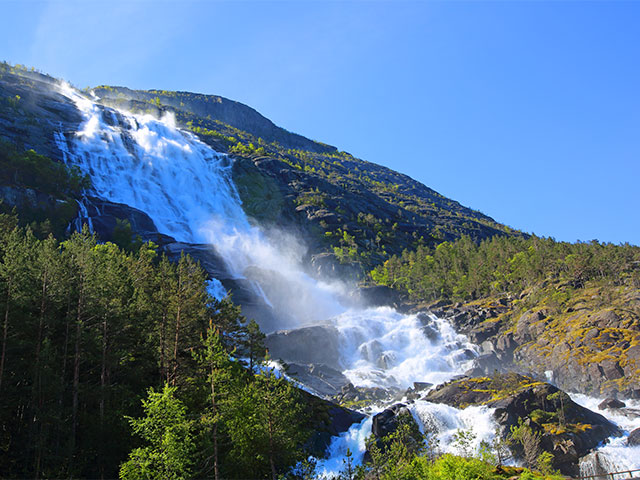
pixel 266 426
pixel 222 375
pixel 168 435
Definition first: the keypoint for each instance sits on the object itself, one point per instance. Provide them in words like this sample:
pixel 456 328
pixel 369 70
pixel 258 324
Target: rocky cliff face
pixel 32 110
pixel 590 343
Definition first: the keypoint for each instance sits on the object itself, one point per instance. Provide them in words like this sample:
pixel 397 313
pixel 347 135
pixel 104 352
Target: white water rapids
pixel 616 455
pixel 186 188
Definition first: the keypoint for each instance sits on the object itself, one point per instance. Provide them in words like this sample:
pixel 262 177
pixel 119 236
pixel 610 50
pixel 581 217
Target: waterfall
pixel 186 188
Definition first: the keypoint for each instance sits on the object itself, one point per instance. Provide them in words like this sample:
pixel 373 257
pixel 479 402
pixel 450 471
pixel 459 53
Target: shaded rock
pixel 633 439
pixel 484 331
pixel 308 345
pixel 420 386
pixel 377 296
pixel 387 421
pixel 327 420
pixel 611 403
pixel 322 379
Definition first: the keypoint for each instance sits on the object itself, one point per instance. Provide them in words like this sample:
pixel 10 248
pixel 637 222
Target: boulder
pixel 387 422
pixel 633 440
pixel 319 344
pixel 322 379
pixel 611 403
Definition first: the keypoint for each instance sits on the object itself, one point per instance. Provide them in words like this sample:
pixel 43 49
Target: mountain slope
pixel 349 210
pixel 351 213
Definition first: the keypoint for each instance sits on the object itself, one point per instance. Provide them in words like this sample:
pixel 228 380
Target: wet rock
pixel 322 379
pixel 327 420
pixel 429 327
pixel 611 403
pixel 308 345
pixel 420 386
pixel 633 439
pixel 387 421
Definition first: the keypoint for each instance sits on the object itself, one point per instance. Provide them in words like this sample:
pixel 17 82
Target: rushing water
pixel 187 190
pixel 615 455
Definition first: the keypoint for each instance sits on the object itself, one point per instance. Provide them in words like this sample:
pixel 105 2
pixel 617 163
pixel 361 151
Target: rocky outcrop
pixel 387 422
pixel 361 397
pixel 588 345
pixel 318 344
pixel 327 420
pixel 32 110
pixel 567 430
pixel 633 440
pixel 611 403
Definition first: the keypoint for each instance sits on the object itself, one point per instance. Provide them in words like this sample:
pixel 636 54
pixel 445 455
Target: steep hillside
pixel 348 209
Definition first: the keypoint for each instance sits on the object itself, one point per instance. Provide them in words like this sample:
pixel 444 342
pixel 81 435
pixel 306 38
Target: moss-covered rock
pixel 567 430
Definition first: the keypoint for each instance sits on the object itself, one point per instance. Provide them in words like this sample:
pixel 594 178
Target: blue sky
pixel 526 111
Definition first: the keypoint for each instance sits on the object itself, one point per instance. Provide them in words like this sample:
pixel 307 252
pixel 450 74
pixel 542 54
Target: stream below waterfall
pixel 186 188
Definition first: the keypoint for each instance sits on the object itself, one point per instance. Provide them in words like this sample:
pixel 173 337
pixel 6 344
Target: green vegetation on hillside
pixel 465 270
pixel 406 454
pixel 88 330
pixel 43 191
pixel 29 169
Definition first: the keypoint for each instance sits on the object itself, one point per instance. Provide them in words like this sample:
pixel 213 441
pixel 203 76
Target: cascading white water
pixel 383 348
pixel 441 421
pixel 615 455
pixel 186 189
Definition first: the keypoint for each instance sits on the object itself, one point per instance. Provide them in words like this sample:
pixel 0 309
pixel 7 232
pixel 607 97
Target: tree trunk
pixel 5 329
pixel 214 406
pixel 76 378
pixel 164 371
pixel 37 378
pixel 175 349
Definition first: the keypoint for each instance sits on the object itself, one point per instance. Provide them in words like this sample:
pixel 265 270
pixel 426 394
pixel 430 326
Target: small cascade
pixel 437 422
pixel 383 348
pixel 616 455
